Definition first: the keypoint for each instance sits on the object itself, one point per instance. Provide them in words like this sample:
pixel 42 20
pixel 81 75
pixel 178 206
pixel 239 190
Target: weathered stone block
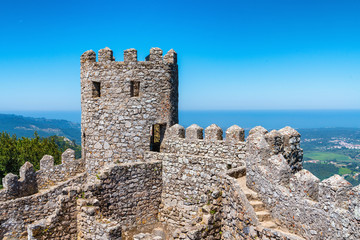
pixel 171 57
pixel 88 56
pixel 305 184
pixel 130 55
pixel 335 190
pixel 235 134
pixel 213 132
pixel 68 156
pixel 155 55
pixel 194 132
pixel 276 141
pixel 176 131
pixel 105 55
pixel 47 162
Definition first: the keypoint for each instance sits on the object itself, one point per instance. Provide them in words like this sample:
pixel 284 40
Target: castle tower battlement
pixel 126 106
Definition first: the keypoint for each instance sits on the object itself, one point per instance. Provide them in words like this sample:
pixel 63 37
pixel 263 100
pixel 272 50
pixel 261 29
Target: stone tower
pixel 126 106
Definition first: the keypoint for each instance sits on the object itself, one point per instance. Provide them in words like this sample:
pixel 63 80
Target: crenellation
pixel 194 132
pixel 68 156
pixel 176 131
pixel 143 176
pixel 156 55
pixel 305 184
pixel 105 55
pixel 88 56
pixel 335 190
pixel 235 134
pixel 171 57
pixel 276 141
pixel 213 132
pixel 47 163
pixel 292 151
pixel 130 55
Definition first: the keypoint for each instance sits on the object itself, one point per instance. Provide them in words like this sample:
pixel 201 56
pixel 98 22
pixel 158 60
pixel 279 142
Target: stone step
pixel 250 195
pixel 269 224
pixel 257 205
pixel 263 216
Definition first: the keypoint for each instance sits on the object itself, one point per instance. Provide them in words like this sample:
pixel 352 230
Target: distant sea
pixel 270 119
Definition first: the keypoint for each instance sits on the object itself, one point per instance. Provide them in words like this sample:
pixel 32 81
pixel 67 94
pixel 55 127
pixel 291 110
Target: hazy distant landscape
pixel 327 151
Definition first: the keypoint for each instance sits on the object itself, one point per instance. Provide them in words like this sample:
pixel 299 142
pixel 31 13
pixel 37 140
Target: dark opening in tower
pixel 96 89
pixel 157 136
pixel 134 88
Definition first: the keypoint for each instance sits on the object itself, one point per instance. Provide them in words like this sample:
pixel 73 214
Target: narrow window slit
pixel 158 132
pixel 134 88
pixel 96 89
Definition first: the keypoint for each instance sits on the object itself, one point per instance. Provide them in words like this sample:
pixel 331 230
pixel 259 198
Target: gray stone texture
pixel 186 188
pixel 116 126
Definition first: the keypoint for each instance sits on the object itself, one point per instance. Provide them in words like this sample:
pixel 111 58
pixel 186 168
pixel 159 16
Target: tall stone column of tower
pixel 126 106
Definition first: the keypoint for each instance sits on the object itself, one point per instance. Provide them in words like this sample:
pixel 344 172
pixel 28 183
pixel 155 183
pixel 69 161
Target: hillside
pixel 329 151
pixel 26 126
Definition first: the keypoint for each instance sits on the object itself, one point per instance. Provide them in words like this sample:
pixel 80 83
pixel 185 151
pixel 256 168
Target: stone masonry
pixel 145 177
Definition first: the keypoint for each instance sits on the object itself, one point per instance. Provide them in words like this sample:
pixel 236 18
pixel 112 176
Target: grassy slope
pixel 328 156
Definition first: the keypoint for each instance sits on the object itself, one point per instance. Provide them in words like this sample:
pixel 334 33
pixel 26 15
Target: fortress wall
pixel 187 181
pixel 121 101
pixel 62 223
pixel 17 214
pixel 238 216
pixel 299 201
pixel 50 174
pixel 128 193
pixel 233 147
pixel 31 182
pixel 92 225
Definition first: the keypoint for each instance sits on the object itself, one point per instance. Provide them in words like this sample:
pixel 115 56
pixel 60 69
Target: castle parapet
pixel 335 190
pixel 176 131
pixel 88 56
pixel 15 187
pixel 305 184
pixel 130 55
pixel 31 181
pixel 105 55
pixel 235 134
pixel 50 174
pixel 171 57
pixel 194 132
pixel 213 132
pixel 155 55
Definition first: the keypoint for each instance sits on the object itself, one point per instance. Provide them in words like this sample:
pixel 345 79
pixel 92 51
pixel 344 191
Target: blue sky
pixel 233 55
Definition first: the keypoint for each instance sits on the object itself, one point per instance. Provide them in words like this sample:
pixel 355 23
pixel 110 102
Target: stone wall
pixel 62 224
pixel 297 199
pixel 121 101
pixel 233 147
pixel 186 181
pixel 15 187
pixel 17 214
pixel 50 174
pixel 238 216
pixel 129 194
pixel 92 225
pixel 31 182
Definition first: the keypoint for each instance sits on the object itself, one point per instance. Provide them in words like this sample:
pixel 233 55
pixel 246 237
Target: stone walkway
pixel 265 219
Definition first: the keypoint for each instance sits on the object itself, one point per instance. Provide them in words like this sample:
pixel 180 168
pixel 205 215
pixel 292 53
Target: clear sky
pixel 245 54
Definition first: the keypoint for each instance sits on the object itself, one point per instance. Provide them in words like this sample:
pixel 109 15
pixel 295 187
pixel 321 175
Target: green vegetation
pixel 14 151
pixel 322 170
pixel 328 156
pixel 343 171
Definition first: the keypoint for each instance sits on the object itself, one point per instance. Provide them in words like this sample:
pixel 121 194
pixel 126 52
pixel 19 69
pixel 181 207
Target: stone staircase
pixel 262 214
pixel 265 219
